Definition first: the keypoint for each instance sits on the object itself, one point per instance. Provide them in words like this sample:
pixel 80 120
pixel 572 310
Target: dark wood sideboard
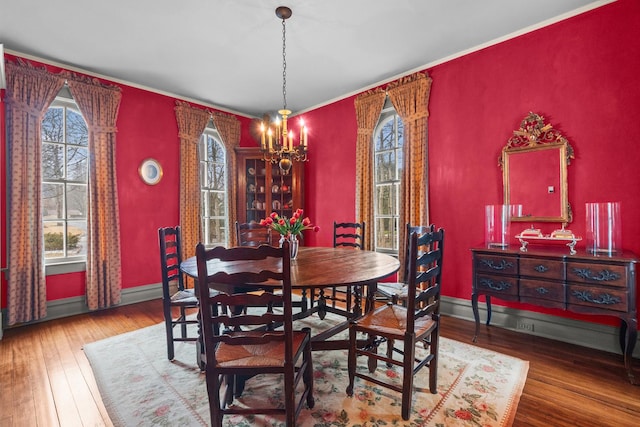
pixel 551 277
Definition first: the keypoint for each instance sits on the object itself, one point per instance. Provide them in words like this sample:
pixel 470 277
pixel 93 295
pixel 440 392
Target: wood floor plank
pixel 61 389
pixel 28 383
pixel 87 408
pixel 6 383
pixel 77 335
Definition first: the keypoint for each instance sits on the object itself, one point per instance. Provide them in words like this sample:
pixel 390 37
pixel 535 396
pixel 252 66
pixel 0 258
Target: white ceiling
pixel 228 53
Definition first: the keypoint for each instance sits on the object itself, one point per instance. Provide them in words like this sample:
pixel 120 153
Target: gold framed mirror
pixel 534 169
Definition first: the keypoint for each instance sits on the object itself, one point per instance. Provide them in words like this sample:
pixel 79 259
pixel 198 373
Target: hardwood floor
pixel 46 380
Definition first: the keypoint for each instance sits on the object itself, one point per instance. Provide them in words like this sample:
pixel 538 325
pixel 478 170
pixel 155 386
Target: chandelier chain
pixel 284 63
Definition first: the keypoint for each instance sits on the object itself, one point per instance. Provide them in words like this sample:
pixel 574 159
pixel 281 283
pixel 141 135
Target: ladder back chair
pixel 397 291
pixel 346 235
pixel 252 234
pixel 175 297
pixel 416 323
pixel 241 345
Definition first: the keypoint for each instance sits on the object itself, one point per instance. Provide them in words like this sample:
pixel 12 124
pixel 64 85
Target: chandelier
pixel 277 140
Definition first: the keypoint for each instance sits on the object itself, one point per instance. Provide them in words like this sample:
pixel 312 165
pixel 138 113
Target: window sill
pixel 64 268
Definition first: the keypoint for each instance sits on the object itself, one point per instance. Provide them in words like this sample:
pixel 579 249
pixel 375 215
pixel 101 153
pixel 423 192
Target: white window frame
pixel 205 189
pixel 65 264
pixel 387 115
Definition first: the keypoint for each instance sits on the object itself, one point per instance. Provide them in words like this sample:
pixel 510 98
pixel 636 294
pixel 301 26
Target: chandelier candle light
pixel 277 142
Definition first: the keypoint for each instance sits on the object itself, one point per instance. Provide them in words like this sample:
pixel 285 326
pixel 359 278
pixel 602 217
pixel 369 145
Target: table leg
pixel 372 288
pixel 357 300
pixel 322 303
pixel 201 358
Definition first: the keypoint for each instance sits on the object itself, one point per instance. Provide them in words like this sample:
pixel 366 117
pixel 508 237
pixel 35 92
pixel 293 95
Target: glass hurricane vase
pixel 293 244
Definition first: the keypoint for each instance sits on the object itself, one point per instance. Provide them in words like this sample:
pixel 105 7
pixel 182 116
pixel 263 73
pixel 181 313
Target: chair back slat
pixel 348 234
pixel 425 273
pixel 420 230
pixel 170 258
pixel 247 299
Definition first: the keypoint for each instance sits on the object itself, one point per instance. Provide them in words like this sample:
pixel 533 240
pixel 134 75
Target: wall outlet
pixel 524 326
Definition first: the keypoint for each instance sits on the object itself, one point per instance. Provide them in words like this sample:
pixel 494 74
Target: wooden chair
pixel 346 235
pixel 397 291
pixel 418 322
pixel 252 234
pixel 174 294
pixel 250 344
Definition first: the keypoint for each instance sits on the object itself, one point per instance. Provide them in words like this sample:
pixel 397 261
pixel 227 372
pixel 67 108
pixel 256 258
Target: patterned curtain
pixel 228 127
pixel 29 92
pixel 368 108
pixel 191 124
pixel 99 106
pixel 410 98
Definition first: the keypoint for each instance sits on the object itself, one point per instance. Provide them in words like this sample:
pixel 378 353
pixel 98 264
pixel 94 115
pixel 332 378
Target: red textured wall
pixel 580 74
pixel 330 173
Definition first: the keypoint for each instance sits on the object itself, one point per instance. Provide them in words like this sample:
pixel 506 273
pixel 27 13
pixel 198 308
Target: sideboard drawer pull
pixel 503 265
pixel 541 290
pixel 541 268
pixel 604 276
pixel 496 286
pixel 605 299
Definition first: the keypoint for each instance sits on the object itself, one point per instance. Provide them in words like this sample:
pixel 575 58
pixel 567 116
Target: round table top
pixel 319 267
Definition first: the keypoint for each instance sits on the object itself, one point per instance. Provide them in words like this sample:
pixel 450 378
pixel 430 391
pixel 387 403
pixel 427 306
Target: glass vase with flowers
pixel 289 228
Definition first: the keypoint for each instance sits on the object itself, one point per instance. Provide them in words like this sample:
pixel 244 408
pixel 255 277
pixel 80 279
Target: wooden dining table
pixel 319 268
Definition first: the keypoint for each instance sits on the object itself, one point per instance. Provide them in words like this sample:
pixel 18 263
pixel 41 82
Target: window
pixel 213 189
pixel 64 182
pixel 387 171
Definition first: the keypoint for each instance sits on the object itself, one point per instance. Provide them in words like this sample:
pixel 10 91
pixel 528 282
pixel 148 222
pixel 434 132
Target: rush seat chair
pixel 239 345
pixel 417 323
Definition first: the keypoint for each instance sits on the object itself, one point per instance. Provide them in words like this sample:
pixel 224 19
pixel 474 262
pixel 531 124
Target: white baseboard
pixel 77 305
pixel 586 334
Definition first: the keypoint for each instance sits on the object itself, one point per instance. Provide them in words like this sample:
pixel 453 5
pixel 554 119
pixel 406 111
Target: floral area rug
pixel 141 387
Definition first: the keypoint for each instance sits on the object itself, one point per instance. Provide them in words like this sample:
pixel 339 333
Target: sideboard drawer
pixel 542 267
pixel 540 289
pixel 498 285
pixel 597 296
pixel 598 274
pixel 496 264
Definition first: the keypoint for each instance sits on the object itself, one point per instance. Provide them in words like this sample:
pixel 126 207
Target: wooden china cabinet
pixel 262 188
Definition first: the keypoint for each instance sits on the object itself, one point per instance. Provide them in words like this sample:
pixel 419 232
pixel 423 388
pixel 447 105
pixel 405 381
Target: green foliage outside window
pixel 54 241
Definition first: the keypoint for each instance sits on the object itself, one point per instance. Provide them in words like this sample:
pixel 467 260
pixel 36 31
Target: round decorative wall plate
pixel 150 171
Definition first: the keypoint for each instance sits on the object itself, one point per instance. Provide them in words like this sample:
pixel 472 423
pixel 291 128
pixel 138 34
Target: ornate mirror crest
pixel 533 132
